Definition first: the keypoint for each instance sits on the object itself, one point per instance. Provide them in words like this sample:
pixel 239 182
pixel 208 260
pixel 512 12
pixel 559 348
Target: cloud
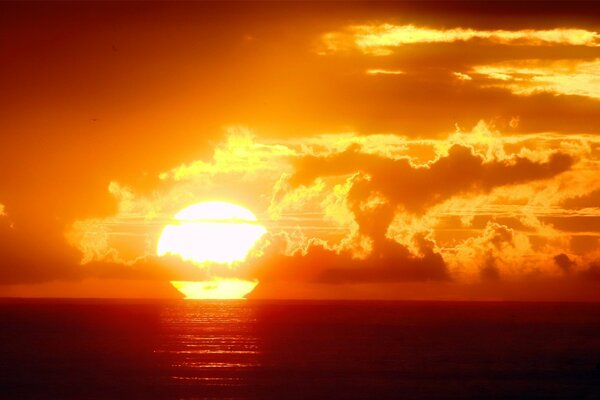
pixel 375 71
pixel 355 165
pixel 592 272
pixel 584 268
pixel 490 271
pixel 241 170
pixel 239 154
pixel 383 189
pixel 390 262
pixel 498 252
pixel 418 188
pixel 527 77
pixel 461 76
pixel 349 209
pixel 29 257
pixel 564 262
pixel 381 39
pixel 587 200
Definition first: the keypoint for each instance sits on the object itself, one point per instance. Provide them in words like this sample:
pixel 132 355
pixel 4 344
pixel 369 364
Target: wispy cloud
pixel 461 76
pixel 384 72
pixel 381 39
pixel 564 77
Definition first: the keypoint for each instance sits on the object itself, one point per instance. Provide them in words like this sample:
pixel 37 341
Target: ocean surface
pixel 109 349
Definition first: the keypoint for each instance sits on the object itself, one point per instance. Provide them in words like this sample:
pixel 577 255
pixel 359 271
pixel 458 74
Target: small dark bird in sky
pixel 93 119
pixel 114 48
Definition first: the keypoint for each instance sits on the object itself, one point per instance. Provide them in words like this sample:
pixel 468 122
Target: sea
pixel 123 349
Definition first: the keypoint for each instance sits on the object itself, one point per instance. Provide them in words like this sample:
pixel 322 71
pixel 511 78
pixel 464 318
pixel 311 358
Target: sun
pixel 212 233
pixel 219 288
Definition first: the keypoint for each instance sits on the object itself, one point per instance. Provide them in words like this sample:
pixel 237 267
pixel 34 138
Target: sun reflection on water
pixel 213 342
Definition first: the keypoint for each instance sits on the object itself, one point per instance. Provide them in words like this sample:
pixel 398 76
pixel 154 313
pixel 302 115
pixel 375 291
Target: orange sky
pixel 397 151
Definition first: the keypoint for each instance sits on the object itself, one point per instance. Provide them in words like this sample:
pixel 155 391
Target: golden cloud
pixel 527 77
pixel 376 71
pixel 239 154
pixel 461 76
pixel 381 39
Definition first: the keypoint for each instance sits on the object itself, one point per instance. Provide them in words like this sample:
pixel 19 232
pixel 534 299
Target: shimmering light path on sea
pixel 210 342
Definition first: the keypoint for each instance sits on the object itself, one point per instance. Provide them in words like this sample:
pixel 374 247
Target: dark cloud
pixel 29 256
pixel 592 272
pixel 391 262
pixel 418 188
pixel 591 199
pixel 413 189
pixel 578 223
pixel 489 271
pixel 164 268
pixel 564 262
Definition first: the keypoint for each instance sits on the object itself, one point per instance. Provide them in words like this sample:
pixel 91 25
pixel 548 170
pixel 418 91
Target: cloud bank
pixel 353 209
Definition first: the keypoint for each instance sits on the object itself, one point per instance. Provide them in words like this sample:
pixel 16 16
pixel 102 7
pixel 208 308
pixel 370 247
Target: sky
pixel 408 150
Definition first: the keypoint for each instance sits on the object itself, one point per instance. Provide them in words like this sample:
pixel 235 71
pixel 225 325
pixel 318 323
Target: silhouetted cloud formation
pixel 489 271
pixel 592 272
pixel 564 262
pixel 418 188
pixel 390 185
pixel 391 262
pixel 591 199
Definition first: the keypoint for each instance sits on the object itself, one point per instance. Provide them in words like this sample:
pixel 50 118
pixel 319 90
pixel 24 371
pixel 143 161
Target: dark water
pixel 53 349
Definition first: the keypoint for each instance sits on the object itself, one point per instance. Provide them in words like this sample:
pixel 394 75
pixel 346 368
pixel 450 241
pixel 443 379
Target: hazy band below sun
pixel 212 232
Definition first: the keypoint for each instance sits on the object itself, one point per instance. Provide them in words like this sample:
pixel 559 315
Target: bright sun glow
pixel 212 233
